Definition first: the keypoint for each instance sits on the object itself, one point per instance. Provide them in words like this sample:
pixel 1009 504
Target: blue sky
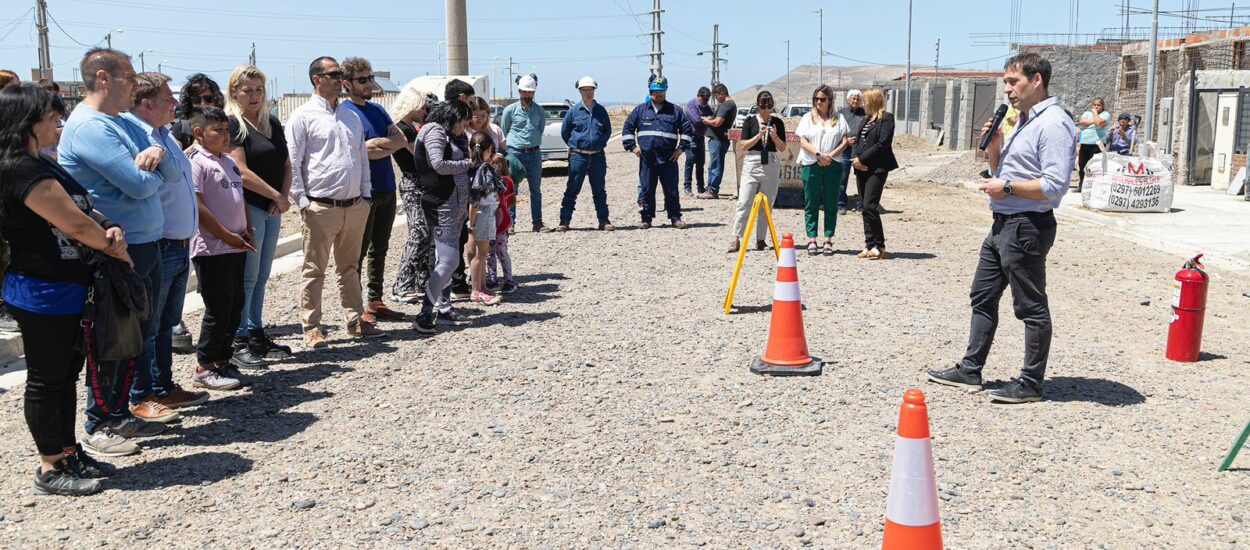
pixel 558 40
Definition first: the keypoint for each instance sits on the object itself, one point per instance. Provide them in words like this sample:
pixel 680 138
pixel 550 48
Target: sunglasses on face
pixel 333 75
pixel 362 79
pixel 819 99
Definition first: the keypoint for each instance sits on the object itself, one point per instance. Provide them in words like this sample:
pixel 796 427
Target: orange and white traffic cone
pixel 911 513
pixel 786 353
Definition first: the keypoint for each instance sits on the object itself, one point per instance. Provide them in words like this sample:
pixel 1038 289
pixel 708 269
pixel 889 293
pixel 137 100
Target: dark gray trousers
pixel 1014 254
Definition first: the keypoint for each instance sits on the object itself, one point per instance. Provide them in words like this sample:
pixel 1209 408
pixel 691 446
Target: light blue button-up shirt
pixel 522 128
pixel 1042 147
pixel 182 214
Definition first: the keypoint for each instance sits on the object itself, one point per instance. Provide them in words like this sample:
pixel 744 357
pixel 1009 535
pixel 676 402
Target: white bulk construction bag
pixel 1120 183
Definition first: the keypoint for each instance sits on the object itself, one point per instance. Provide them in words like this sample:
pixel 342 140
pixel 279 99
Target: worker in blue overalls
pixel 658 133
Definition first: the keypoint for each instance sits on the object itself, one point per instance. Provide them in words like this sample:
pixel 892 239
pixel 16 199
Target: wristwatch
pixel 1007 187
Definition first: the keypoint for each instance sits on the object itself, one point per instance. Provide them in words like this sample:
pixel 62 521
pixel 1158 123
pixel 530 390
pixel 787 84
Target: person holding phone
pixel 763 136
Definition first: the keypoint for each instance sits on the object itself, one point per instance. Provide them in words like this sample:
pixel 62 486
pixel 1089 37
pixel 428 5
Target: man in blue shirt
pixel 586 130
pixel 523 123
pixel 382 138
pixel 1123 135
pixel 696 110
pixel 1031 173
pixel 657 133
pixel 124 170
pixel 155 393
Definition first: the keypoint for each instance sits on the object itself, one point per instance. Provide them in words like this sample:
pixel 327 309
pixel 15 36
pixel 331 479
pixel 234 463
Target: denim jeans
pixel 581 166
pixel 266 229
pixel 716 151
pixel 533 162
pixel 694 162
pixel 657 169
pixel 158 377
pixel 113 389
pixel 846 178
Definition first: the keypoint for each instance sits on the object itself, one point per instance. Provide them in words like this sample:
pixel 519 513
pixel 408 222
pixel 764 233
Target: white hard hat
pixel 527 83
pixel 586 81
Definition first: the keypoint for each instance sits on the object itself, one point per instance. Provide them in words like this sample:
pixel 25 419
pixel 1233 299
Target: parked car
pixel 743 113
pixel 796 110
pixel 553 146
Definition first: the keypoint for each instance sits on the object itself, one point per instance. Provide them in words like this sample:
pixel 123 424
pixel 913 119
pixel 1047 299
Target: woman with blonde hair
pixel 9 78
pixel 822 138
pixel 258 147
pixel 409 111
pixel 872 159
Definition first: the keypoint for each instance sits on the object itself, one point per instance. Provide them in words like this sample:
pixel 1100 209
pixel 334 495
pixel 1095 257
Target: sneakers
pixel 881 255
pixel 424 324
pixel 133 427
pixel 485 298
pixel 245 358
pixel 364 329
pixel 179 398
pixel 408 297
pixel 644 225
pixel 707 195
pixel 540 228
pixel 452 317
pixel 182 339
pixel 461 293
pixel 564 226
pixel 228 370
pixel 314 339
pixel 383 313
pixel 1016 391
pixel 86 466
pixel 210 379
pixel 104 442
pixel 869 253
pixel 679 224
pixel 151 410
pixel 508 287
pixel 606 225
pixel 956 377
pixel 63 480
pixel 266 348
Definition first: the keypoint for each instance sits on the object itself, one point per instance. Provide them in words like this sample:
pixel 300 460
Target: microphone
pixel 999 115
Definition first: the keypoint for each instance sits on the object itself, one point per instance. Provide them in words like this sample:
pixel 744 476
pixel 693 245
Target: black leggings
pixel 1087 152
pixel 52 366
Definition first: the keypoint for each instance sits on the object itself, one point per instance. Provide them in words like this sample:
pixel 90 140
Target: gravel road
pixel 608 404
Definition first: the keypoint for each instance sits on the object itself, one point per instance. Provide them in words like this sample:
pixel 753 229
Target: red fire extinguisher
pixel 1188 309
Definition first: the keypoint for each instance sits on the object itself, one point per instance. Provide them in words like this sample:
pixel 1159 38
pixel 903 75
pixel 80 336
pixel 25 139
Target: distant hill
pixel 805 78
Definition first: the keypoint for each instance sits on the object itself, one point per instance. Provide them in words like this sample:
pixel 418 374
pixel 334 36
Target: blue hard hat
pixel 658 84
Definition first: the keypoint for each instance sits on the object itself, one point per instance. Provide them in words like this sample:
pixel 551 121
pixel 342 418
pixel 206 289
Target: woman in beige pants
pixel 763 136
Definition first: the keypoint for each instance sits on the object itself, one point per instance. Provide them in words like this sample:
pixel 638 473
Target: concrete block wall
pixel 967 93
pixel 1081 73
pixel 926 95
pixel 950 118
pixel 1211 51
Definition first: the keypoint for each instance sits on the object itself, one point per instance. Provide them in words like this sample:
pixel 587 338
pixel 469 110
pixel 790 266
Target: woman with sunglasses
pixel 53 233
pixel 199 91
pixel 763 136
pixel 409 112
pixel 822 138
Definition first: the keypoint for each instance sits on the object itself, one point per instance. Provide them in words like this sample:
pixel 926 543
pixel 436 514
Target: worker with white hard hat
pixel 523 123
pixel 586 130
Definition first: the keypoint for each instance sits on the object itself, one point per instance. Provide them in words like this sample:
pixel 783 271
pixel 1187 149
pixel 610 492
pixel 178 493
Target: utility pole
pixel 821 16
pixel 457 38
pixel 251 59
pixel 1150 75
pixel 907 107
pixel 511 77
pixel 788 72
pixel 716 59
pixel 657 48
pixel 41 23
pixel 937 55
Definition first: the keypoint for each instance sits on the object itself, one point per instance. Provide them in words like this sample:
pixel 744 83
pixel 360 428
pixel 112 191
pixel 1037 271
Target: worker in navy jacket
pixel 657 133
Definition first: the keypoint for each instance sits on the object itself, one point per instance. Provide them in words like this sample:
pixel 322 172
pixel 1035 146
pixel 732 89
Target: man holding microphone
pixel 1030 177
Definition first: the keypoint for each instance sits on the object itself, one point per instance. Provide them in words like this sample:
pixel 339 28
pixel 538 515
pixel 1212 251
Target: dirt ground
pixel 608 404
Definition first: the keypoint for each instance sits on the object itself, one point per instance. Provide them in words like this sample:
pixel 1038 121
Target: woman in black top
pixel 872 159
pixel 52 232
pixel 761 169
pixel 258 146
pixel 408 112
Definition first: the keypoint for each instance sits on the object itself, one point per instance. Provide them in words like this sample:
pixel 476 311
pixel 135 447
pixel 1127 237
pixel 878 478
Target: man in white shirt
pixel 330 185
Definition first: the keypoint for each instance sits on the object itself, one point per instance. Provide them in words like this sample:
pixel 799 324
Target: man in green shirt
pixel 523 123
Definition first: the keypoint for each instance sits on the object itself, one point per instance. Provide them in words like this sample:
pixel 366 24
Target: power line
pixel 330 17
pixel 67 35
pixel 15 24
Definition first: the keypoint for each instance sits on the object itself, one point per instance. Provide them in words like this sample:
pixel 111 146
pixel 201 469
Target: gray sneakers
pixel 132 427
pixel 104 442
pixel 210 379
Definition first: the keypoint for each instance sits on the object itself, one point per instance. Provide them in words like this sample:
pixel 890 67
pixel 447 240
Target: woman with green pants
pixel 822 137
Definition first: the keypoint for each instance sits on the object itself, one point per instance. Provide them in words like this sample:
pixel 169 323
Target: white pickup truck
pixel 553 146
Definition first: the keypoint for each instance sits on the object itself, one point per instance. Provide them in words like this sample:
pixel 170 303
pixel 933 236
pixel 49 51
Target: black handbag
pixel 118 303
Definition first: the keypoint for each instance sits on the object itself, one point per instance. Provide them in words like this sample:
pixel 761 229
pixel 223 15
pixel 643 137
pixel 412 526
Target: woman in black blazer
pixel 873 158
